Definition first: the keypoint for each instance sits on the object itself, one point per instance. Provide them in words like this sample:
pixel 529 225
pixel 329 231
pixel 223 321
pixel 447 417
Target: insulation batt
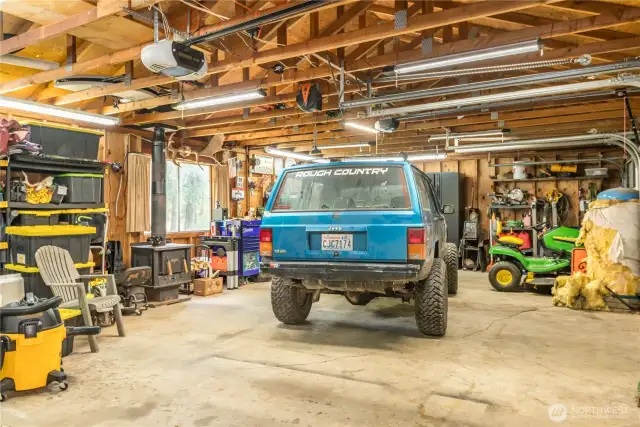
pixel 610 234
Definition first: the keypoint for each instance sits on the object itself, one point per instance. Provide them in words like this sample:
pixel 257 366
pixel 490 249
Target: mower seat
pixel 511 241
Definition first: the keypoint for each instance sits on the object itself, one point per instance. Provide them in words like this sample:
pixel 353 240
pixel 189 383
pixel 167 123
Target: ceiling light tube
pixel 627 80
pixel 414 157
pixel 53 111
pixel 373 159
pixel 297 156
pixel 554 76
pixel 443 137
pixel 220 100
pixel 463 58
pixel 361 127
pixel 354 145
pixel 427 156
pixel 486 138
pixel 21 61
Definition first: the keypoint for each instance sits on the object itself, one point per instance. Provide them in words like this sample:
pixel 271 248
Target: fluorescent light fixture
pixel 487 138
pixel 60 112
pixel 414 157
pixel 355 145
pixel 221 100
pixel 463 58
pixel 361 127
pixel 488 133
pixel 293 155
pixel 21 61
pixel 427 156
pixel 627 80
pixel 373 159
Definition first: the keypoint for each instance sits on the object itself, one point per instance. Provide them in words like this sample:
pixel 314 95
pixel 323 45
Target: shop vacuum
pixel 33 340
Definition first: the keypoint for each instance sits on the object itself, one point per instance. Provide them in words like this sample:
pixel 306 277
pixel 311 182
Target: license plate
pixel 337 242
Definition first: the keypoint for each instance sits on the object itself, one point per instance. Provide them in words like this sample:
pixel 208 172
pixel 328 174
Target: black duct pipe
pixel 262 20
pixel 158 191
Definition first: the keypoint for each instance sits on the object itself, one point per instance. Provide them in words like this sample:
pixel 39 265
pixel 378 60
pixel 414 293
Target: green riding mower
pixel 512 268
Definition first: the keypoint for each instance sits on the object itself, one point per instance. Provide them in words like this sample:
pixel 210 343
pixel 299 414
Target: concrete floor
pixel 226 361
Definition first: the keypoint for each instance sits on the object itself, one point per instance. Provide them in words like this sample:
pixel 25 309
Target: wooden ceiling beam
pixel 233 21
pixel 415 24
pixel 269 126
pixel 290 76
pixel 500 39
pixel 323 128
pixel 270 81
pixel 239 118
pixel 536 117
pixel 125 55
pixel 103 9
pixel 591 48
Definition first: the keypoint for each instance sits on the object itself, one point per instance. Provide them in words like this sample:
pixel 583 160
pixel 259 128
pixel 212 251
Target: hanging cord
pixel 124 171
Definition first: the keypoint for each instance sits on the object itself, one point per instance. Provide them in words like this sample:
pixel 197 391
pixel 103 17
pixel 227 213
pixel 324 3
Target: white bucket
pixel 11 288
pixel 519 171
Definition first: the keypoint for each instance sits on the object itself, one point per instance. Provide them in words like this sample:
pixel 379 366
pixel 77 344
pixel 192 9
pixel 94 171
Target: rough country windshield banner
pixel 343 188
pixel 342 172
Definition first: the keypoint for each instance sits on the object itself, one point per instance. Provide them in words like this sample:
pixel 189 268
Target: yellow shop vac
pixel 32 335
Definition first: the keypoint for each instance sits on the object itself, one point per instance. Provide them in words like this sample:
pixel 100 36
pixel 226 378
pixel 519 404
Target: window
pixel 188 197
pixel 343 188
pixel 421 186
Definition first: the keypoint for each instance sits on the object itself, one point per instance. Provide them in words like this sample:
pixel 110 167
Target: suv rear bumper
pixel 338 271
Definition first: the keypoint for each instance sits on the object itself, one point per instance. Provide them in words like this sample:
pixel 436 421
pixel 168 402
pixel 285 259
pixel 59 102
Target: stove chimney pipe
pixel 158 192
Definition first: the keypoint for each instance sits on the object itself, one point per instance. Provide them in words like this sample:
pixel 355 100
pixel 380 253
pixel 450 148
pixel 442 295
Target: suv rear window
pixel 343 188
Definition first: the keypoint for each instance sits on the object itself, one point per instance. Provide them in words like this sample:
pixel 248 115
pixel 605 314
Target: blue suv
pixel 360 229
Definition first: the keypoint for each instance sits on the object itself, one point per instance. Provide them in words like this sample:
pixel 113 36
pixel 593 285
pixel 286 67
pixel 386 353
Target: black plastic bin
pixel 36 218
pixel 81 187
pixel 72 143
pixel 33 281
pixel 24 241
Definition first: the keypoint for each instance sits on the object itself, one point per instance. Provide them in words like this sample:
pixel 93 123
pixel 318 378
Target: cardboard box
pixel 207 286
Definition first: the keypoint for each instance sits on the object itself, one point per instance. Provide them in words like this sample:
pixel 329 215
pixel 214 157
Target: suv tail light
pixel 415 235
pixel 266 242
pixel 266 235
pixel 416 243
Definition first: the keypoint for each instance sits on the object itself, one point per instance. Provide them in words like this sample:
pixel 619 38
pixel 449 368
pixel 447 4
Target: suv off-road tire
pixel 431 301
pixel 291 305
pixel 450 257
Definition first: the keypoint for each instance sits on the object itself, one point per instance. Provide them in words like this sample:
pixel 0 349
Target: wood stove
pixel 170 267
pixel 170 262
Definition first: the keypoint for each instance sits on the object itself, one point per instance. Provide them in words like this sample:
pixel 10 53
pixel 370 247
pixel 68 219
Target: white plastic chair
pixel 60 274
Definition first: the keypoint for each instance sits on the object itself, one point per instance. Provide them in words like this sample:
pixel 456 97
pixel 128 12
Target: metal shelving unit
pixel 51 164
pixel 534 220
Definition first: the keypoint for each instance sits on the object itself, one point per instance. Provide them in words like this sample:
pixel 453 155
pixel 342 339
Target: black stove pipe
pixel 289 12
pixel 158 191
